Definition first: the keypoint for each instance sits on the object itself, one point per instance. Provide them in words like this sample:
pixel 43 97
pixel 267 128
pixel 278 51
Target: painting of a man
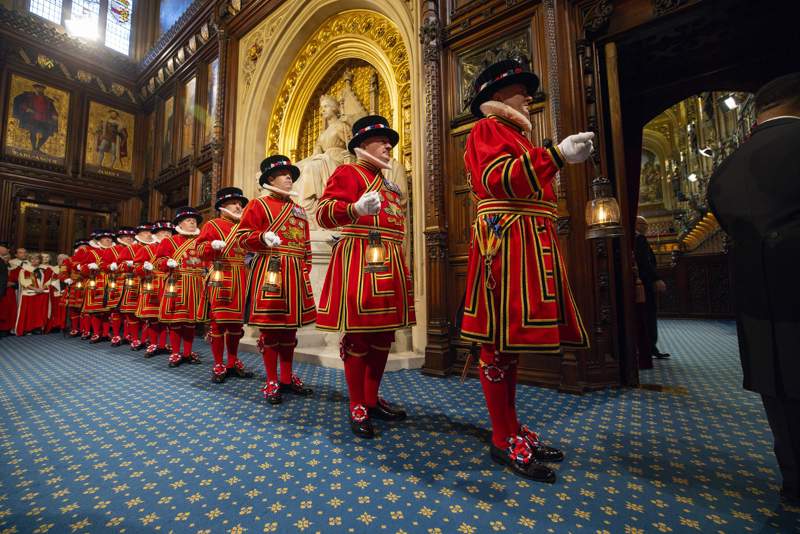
pixel 36 113
pixel 111 139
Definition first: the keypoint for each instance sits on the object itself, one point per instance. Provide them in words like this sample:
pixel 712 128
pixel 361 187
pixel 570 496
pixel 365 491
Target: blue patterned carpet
pixel 95 439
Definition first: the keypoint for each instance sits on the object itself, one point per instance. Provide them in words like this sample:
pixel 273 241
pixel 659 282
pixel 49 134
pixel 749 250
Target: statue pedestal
pixel 322 348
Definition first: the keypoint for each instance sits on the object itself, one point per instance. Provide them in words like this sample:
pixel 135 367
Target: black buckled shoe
pixel 661 355
pixel 239 370
pixel 360 423
pixel 151 351
pixel 296 387
pixel 175 359
pixel 519 457
pixel 386 412
pixel 193 358
pixel 95 339
pixel 272 392
pixel 541 452
pixel 116 341
pixel 218 374
pixel 86 336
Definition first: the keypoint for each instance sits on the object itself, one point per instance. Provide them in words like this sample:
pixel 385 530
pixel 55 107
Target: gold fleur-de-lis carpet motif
pixel 97 439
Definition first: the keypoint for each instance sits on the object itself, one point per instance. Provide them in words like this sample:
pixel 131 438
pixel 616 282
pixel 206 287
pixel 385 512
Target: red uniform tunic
pixel 95 299
pixel 127 279
pixel 518 296
pixel 34 307
pixel 354 300
pixel 8 302
pixel 112 255
pixel 226 302
pixel 293 305
pixel 70 269
pixel 189 305
pixel 148 303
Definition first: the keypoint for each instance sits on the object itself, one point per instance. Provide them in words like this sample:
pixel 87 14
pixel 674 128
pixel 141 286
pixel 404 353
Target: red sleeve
pixel 163 253
pixel 499 170
pixel 251 226
pixel 203 244
pixel 308 250
pixel 336 206
pixel 139 259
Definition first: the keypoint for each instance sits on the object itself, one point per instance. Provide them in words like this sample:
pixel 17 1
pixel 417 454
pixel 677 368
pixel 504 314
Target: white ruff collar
pixel 493 107
pixel 366 156
pixel 30 268
pixel 187 234
pixel 281 192
pixel 143 242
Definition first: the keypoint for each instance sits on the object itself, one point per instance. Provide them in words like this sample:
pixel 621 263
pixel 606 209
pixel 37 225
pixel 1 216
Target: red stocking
pixel 162 337
pixel 217 342
pixel 116 322
pixel 233 333
pixel 75 320
pixel 269 352
pixel 97 324
pixel 86 324
pixel 354 354
pixel 495 390
pixel 376 364
pixel 286 349
pixel 174 339
pixel 106 326
pixel 155 331
pixel 187 334
pixel 132 330
pixel 511 382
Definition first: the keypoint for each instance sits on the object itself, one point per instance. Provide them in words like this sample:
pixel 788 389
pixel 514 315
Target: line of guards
pixel 167 277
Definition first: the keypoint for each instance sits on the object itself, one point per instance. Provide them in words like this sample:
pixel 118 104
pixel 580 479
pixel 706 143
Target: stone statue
pixel 330 151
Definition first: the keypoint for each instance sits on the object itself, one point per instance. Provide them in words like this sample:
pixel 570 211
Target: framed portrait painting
pixel 36 125
pixel 109 141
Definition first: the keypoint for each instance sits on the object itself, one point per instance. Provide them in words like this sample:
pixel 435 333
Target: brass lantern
pixel 79 285
pixel 112 283
pixel 272 280
pixel 148 286
pixel 172 288
pixel 92 283
pixel 217 275
pixel 128 279
pixel 376 254
pixel 602 212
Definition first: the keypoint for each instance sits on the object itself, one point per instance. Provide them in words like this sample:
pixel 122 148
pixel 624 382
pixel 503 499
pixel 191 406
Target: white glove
pixel 68 281
pixel 93 266
pixel 578 147
pixel 270 239
pixel 113 266
pixel 368 204
pixel 218 244
pixel 172 263
pixel 129 263
pixel 147 266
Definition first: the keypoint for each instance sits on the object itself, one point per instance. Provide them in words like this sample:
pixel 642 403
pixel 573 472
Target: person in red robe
pixel 120 252
pixel 95 261
pixel 226 289
pixel 58 298
pixel 131 286
pixel 152 288
pixel 518 299
pixel 34 300
pixel 70 276
pixel 8 293
pixel 368 292
pixel 276 230
pixel 183 301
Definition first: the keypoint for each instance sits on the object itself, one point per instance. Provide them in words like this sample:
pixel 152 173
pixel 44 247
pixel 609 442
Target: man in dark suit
pixel 646 264
pixel 755 195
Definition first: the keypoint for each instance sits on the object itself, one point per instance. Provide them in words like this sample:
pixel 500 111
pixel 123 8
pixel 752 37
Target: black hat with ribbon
pixel 158 226
pixel 277 163
pixel 80 243
pixel 229 193
pixel 371 126
pixel 499 75
pixel 184 213
pixel 100 234
pixel 126 231
pixel 144 227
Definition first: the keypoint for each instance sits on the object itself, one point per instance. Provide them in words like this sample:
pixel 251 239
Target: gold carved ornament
pixel 368 25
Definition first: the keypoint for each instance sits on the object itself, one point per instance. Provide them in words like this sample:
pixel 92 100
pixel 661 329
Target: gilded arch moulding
pixel 369 26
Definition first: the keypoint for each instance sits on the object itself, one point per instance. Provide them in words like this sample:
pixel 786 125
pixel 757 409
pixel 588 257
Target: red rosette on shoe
pixel 359 413
pixel 520 450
